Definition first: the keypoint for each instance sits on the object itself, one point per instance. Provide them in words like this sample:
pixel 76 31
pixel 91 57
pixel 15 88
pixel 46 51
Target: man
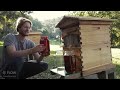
pixel 17 48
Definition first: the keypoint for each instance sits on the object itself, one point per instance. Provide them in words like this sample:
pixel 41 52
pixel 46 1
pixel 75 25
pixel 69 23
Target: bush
pixel 1 43
pixel 52 52
pixel 54 42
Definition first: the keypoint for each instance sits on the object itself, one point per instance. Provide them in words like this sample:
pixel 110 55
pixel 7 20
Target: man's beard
pixel 23 34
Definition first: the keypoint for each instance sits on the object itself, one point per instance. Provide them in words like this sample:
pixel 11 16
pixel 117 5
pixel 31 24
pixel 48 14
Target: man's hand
pixel 45 54
pixel 38 48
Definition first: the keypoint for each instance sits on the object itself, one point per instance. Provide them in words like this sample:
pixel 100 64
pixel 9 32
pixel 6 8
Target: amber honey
pixel 45 42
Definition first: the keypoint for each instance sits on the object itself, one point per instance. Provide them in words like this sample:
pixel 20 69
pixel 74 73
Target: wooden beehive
pixel 35 37
pixel 89 39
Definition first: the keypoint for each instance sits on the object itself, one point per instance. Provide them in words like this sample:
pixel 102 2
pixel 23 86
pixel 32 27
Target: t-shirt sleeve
pixel 31 44
pixel 9 40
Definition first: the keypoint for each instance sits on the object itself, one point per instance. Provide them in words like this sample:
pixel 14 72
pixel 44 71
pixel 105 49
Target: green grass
pixel 54 61
pixel 52 52
pixel 116 61
pixel 1 43
pixel 117 71
pixel 54 42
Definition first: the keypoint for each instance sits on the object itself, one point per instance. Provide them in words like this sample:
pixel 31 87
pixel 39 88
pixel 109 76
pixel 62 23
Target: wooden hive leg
pixel 111 73
pixel 102 75
pixel 108 74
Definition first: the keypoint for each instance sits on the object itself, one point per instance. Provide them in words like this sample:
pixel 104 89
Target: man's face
pixel 25 29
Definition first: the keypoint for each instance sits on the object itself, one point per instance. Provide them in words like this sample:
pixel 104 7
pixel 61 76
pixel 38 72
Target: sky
pixel 45 15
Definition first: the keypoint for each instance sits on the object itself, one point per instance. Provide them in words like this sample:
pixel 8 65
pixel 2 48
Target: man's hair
pixel 20 21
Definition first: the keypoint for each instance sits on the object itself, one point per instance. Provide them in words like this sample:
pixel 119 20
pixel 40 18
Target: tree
pixel 8 19
pixel 49 27
pixel 37 25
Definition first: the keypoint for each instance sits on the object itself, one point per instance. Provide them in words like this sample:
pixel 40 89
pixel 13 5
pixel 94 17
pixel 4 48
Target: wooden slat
pixel 93 27
pixel 97 69
pixel 64 34
pixel 91 62
pixel 95 38
pixel 70 29
pixel 94 34
pixel 72 41
pixel 35 38
pixel 107 44
pixel 95 55
pixel 94 22
pixel 95 30
pixel 68 23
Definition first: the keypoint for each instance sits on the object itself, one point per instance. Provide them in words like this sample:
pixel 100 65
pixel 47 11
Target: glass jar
pixel 44 41
pixel 69 62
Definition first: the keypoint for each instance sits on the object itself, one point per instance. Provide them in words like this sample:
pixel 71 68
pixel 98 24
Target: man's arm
pixel 38 57
pixel 13 53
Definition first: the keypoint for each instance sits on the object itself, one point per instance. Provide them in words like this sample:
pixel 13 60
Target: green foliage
pixel 7 21
pixel 52 52
pixel 36 25
pixel 54 61
pixel 45 32
pixel 55 42
pixel 1 43
pixel 49 28
pixel 117 69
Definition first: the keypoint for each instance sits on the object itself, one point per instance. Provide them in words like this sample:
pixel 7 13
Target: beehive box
pixel 89 39
pixel 35 37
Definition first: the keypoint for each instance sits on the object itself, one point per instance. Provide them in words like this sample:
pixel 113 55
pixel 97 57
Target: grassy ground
pixel 55 42
pixel 116 61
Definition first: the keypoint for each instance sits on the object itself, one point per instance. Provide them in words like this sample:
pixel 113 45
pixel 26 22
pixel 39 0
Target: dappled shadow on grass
pixel 53 61
pixel 117 71
pixel 116 62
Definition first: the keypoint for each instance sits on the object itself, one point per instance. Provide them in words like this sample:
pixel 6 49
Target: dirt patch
pixel 45 75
